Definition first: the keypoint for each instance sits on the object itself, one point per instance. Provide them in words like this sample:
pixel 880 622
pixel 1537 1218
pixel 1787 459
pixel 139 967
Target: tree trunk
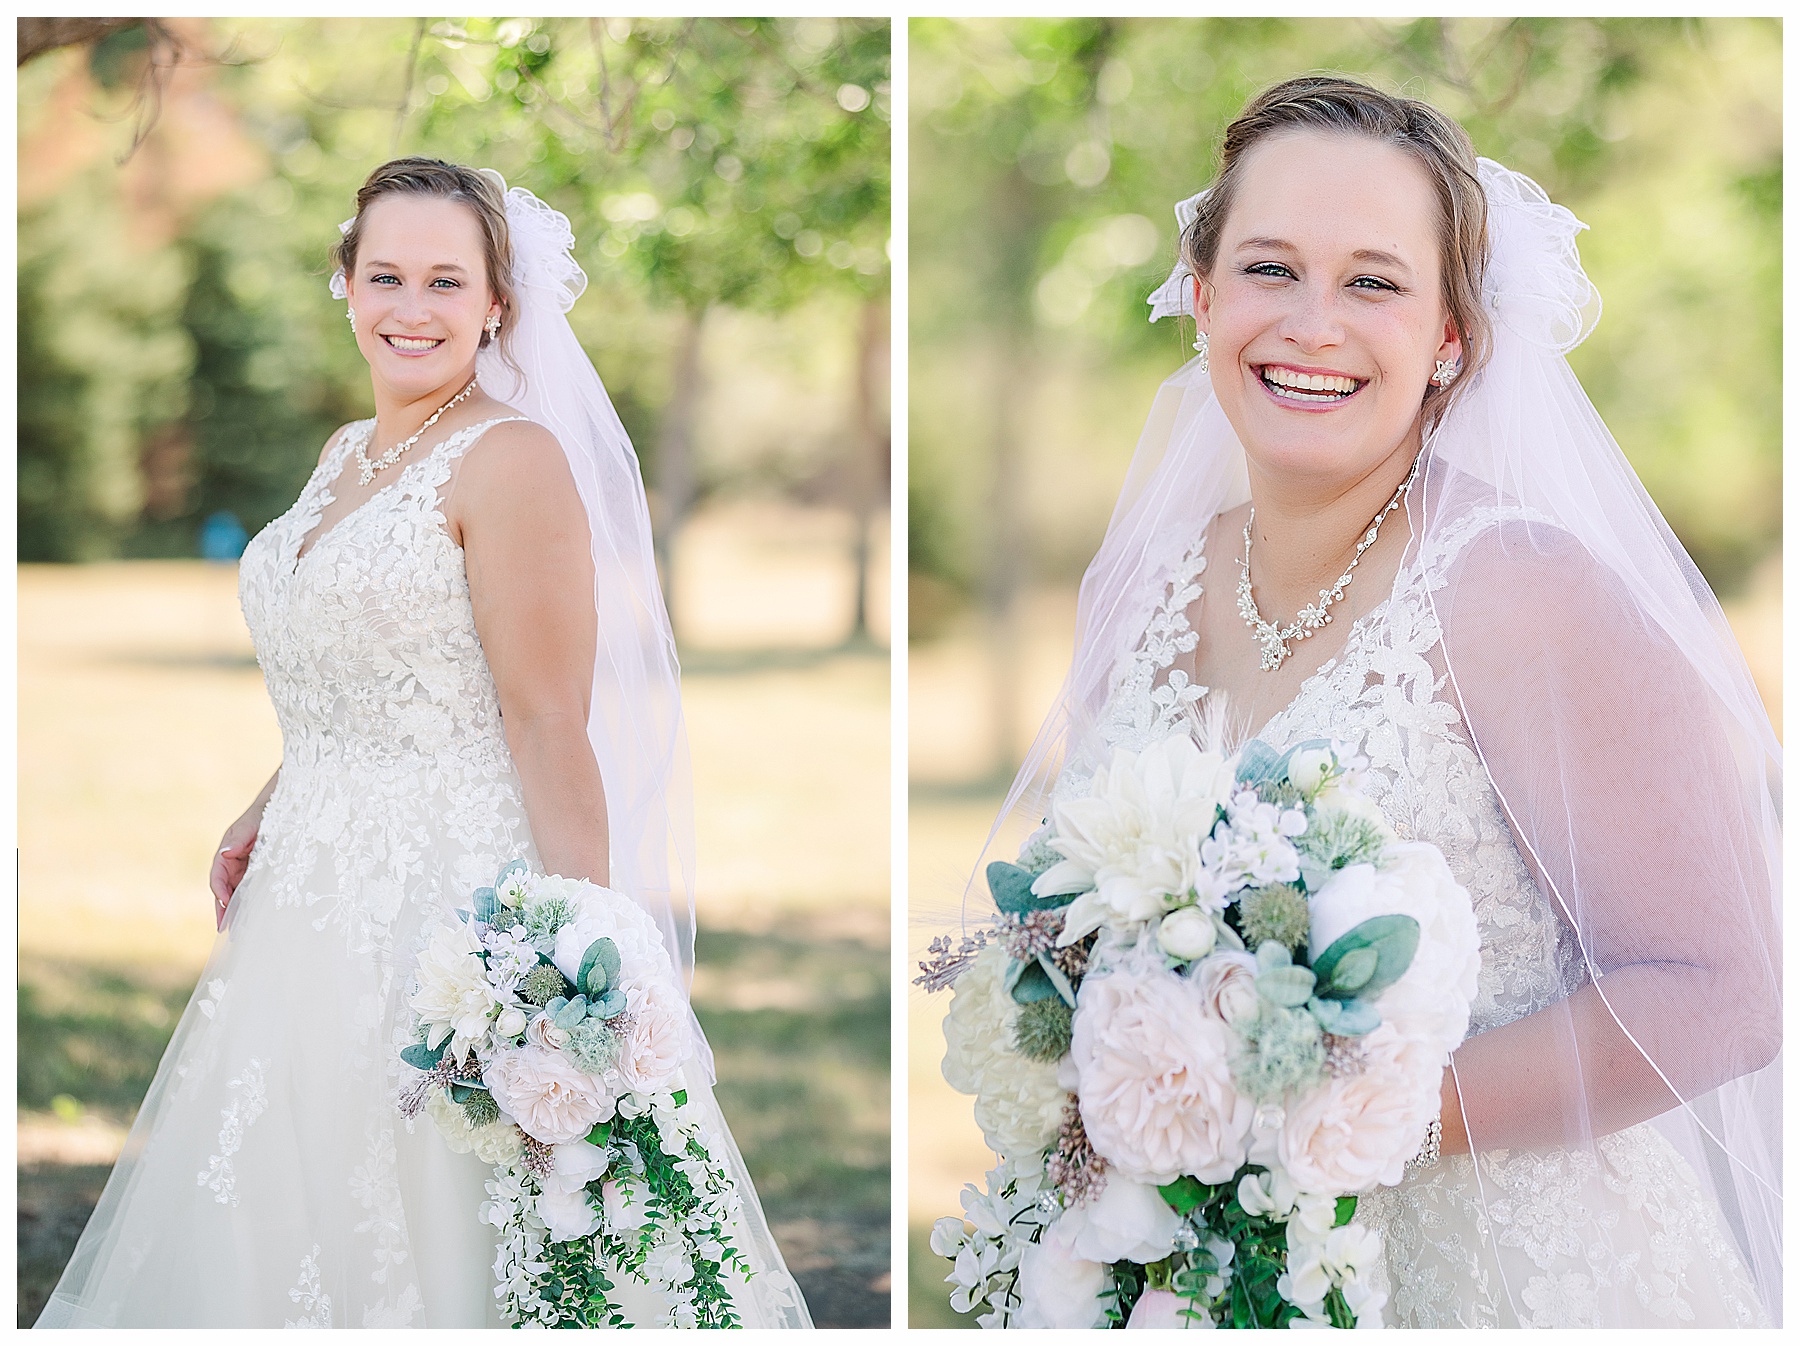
pixel 675 453
pixel 874 446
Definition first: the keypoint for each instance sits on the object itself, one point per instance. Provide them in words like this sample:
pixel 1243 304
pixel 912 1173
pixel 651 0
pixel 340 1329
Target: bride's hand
pixel 231 860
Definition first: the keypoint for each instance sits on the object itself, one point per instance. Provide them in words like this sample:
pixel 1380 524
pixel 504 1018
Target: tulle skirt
pixel 269 1179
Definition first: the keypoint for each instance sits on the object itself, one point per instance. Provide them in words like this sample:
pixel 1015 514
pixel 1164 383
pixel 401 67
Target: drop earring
pixel 1200 345
pixel 350 313
pixel 493 327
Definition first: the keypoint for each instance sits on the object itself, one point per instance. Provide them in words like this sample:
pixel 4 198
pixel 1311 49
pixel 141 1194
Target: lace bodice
pixel 368 645
pixel 1385 693
pixel 1538 1238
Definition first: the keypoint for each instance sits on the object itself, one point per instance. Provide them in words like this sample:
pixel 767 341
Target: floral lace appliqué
pixel 248 1099
pixel 315 1304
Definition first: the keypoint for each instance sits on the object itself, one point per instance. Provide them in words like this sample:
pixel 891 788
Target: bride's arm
pixel 525 542
pixel 1615 766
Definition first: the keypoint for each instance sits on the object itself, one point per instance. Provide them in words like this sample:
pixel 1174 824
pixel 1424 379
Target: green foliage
pixel 1368 958
pixel 1283 1050
pixel 1011 889
pixel 702 162
pixel 1043 1029
pixel 1047 154
pixel 543 984
pixel 479 1108
pixel 1336 838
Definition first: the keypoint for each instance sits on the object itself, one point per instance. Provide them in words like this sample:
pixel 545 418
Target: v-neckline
pixel 340 460
pixel 1198 553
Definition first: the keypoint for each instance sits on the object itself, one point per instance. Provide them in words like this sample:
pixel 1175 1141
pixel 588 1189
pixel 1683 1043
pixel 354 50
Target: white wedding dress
pixel 269 1179
pixel 1557 1232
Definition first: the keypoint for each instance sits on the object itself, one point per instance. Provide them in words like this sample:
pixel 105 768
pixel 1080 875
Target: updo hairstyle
pixel 1440 146
pixel 482 194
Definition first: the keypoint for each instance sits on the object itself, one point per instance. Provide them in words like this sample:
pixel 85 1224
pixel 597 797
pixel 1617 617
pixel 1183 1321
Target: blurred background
pixel 180 364
pixel 1046 158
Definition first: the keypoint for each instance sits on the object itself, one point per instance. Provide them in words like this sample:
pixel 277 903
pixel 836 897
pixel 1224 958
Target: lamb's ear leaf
pixel 1394 940
pixel 462 1093
pixel 1011 889
pixel 422 1057
pixel 1258 763
pixel 1056 978
pixel 487 904
pixel 1032 984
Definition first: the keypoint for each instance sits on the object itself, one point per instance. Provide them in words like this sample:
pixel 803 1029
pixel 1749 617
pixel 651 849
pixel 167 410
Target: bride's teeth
pixel 1293 381
pixel 411 343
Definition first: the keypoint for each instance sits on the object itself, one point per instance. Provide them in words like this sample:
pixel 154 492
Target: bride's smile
pixel 1324 310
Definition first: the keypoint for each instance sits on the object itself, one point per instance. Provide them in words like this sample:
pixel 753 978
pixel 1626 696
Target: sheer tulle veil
pixel 1607 698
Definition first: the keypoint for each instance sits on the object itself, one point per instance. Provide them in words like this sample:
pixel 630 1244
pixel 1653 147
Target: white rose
pixel 1056 1287
pixel 1227 983
pixel 497 1143
pixel 1165 1308
pixel 1133 840
pixel 574 1164
pixel 1156 1094
pixel 1307 768
pixel 1430 1003
pixel 1187 934
pixel 546 1094
pixel 511 1022
pixel 658 1040
pixel 1128 1222
pixel 1018 1101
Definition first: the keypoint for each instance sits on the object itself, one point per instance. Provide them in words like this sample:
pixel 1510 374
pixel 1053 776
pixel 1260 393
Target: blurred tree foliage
pixel 178 353
pixel 1047 156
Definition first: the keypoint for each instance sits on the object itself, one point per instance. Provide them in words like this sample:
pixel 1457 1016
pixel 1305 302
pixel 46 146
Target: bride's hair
pixel 417 176
pixel 1442 148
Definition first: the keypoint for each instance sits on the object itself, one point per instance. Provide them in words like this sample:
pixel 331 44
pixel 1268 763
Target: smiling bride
pixel 464 892
pixel 1377 511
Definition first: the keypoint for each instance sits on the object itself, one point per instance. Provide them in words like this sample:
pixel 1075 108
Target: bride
pixel 461 630
pixel 1377 507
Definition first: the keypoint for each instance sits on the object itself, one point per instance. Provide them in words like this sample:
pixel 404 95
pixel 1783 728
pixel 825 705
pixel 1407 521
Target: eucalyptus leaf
pixel 1258 763
pixel 1394 940
pixel 1011 888
pixel 1290 987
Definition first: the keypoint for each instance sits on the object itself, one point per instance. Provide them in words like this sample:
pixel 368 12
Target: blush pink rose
pixel 1164 1308
pixel 1359 1130
pixel 657 1042
pixel 546 1094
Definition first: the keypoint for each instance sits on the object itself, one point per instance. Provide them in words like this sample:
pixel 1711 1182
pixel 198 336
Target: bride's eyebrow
pixel 1374 255
pixel 449 268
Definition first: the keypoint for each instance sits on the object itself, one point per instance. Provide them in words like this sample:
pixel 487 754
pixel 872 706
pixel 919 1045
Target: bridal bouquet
pixel 1216 1006
pixel 551 1033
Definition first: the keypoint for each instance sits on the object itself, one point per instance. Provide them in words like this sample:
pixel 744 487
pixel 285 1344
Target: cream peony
pixel 1134 839
pixel 1018 1102
pixel 1227 983
pixel 1127 1221
pixel 546 1094
pixel 1359 1130
pixel 601 912
pixel 496 1143
pixel 658 1040
pixel 1430 1003
pixel 1057 1287
pixel 1156 1093
pixel 454 999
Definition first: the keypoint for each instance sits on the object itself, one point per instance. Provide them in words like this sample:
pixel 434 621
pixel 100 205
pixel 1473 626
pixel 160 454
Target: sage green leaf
pixel 1032 984
pixel 1011 888
pixel 1289 987
pixel 1257 763
pixel 487 904
pixel 599 967
pixel 511 867
pixel 462 1093
pixel 1354 970
pixel 608 1005
pixel 1394 939
pixel 422 1057
pixel 1346 1018
pixel 1060 982
pixel 571 1014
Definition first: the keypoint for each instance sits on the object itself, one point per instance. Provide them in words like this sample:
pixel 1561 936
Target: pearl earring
pixel 1447 370
pixel 350 313
pixel 493 326
pixel 1200 345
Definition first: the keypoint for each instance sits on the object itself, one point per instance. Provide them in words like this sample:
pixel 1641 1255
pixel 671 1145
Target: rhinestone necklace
pixel 368 469
pixel 1274 639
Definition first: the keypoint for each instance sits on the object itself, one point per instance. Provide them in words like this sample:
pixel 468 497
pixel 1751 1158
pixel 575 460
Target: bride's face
pixel 1324 311
pixel 420 292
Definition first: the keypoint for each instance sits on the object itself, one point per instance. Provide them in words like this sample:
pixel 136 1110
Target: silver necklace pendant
pixel 1274 639
pixel 367 468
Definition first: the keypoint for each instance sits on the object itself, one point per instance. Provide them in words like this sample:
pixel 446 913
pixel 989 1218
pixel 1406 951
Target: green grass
pixel 805 1089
